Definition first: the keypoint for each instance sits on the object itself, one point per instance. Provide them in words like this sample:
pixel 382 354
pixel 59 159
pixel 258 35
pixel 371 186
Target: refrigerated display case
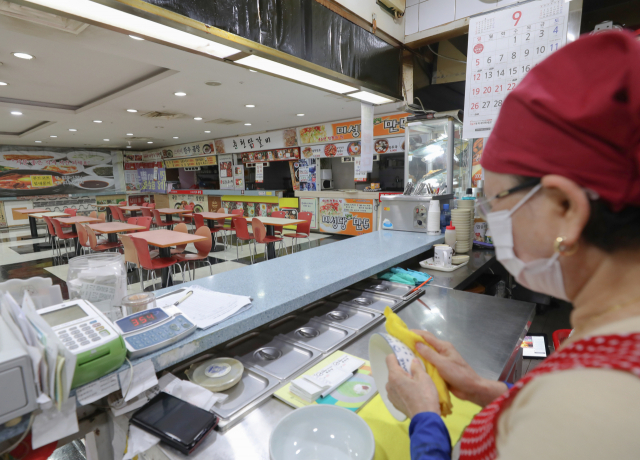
pixel 437 154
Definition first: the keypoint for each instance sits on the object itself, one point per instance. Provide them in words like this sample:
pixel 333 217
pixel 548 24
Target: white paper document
pixel 207 308
pixel 139 442
pixel 144 377
pixel 53 424
pixel 97 389
pixel 323 382
pixel 190 392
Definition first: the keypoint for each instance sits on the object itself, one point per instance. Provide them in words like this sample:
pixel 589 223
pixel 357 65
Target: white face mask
pixel 542 275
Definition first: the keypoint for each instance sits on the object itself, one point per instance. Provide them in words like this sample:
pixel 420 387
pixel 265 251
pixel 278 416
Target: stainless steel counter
pixel 479 261
pixel 486 330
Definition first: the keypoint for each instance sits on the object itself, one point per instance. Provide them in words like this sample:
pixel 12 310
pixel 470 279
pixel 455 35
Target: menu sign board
pixel 184 150
pixel 180 200
pixel 346 216
pixel 310 205
pixel 383 126
pixel 264 141
pixel 346 149
pixel 238 177
pixel 272 155
pixel 191 162
pixel 226 172
pixel 152 177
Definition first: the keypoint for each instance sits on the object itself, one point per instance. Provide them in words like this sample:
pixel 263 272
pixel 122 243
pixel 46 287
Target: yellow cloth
pixel 392 436
pixel 398 329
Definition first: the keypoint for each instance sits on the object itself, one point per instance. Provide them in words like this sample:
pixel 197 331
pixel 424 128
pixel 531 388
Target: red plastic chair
pixel 182 228
pixel 199 221
pixel 83 238
pixel 560 336
pixel 151 265
pixel 99 247
pixel 115 215
pixel 302 230
pixel 158 220
pixel 260 235
pixel 145 221
pixel 242 234
pixel 63 236
pixel 277 229
pixel 203 248
pixel 187 219
pixel 231 228
pixel 52 234
pixel 71 211
pixel 121 215
pixel 152 206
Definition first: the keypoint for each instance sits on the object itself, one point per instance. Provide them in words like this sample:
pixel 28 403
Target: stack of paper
pixel 323 382
pixel 206 308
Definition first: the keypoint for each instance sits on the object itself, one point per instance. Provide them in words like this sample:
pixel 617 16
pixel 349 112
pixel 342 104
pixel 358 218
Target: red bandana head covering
pixel 576 114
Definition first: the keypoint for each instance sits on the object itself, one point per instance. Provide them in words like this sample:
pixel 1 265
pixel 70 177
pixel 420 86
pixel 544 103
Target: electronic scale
pixel 89 335
pixel 150 330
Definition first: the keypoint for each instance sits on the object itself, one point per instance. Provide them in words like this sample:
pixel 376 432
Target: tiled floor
pixel 21 257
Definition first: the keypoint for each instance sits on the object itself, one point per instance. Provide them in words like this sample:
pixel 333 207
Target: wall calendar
pixel 503 47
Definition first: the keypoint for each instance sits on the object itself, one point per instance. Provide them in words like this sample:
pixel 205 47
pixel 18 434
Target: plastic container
pixel 445 217
pixel 134 303
pixel 433 218
pixel 450 236
pixel 100 279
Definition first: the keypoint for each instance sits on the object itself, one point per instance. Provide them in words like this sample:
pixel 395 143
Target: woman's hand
pixel 411 394
pixel 463 381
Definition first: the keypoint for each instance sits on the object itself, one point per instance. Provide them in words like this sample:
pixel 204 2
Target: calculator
pixel 150 330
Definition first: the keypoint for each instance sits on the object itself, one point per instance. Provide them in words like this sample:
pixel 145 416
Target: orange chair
pixel 145 221
pixel 199 220
pixel 132 221
pixel 152 206
pixel 99 247
pixel 302 230
pixel 52 234
pixel 231 228
pixel 71 211
pixel 93 214
pixel 83 238
pixel 151 265
pixel 260 235
pixel 242 234
pixel 102 216
pixel 277 229
pixel 131 255
pixel 182 228
pixel 64 236
pixel 115 215
pixel 203 248
pixel 158 220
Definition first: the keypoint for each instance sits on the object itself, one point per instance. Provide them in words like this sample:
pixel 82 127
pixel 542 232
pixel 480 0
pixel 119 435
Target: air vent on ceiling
pixel 224 121
pixel 163 115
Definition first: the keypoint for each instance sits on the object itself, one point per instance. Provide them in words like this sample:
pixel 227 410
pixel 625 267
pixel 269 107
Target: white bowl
pixel 380 346
pixel 457 260
pixel 322 432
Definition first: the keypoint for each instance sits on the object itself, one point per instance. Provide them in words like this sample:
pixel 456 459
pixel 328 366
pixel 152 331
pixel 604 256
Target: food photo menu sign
pixel 26 171
pixel 503 47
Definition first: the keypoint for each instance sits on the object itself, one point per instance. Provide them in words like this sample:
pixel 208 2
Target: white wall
pixel 366 8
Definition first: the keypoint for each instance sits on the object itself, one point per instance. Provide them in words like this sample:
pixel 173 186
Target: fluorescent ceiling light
pixel 149 142
pixel 176 137
pixel 38 142
pixel 97 121
pixel 129 134
pixel 207 132
pixel 197 118
pixel 369 97
pixel 132 111
pixel 250 106
pixel 300 114
pixel 247 124
pixel 53 136
pixel 26 56
pixel 136 38
pixel 137 26
pixel 294 74
pixel 73 130
pixel 3 83
pixel 106 140
pixel 16 113
pixel 180 94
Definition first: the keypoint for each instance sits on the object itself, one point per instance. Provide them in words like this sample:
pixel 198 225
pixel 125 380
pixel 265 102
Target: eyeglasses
pixel 484 206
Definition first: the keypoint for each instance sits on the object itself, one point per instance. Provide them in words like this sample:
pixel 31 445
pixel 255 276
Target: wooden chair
pixel 93 214
pixel 203 248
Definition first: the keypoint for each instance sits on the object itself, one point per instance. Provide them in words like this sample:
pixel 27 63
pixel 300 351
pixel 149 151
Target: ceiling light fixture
pixel 136 37
pixel 197 118
pixel 102 14
pixel 250 106
pixel 251 70
pixel 132 111
pixel 2 83
pixel 53 136
pixel 38 142
pixel 73 130
pixel 149 142
pixel 128 146
pixel 370 97
pixel 207 132
pixel 175 137
pixel 97 121
pixel 300 114
pixel 106 140
pixel 26 56
pixel 129 134
pixel 247 124
pixel 16 113
pixel 294 74
pixel 180 94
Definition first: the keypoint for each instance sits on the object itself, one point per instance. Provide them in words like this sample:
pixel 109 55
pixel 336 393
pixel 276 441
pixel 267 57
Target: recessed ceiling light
pixel 300 114
pixel 26 56
pixel 97 121
pixel 53 136
pixel 2 83
pixel 16 113
pixel 250 106
pixel 106 140
pixel 251 70
pixel 247 124
pixel 207 132
pixel 136 38
pixel 149 142
pixel 180 94
pixel 38 142
pixel 197 118
pixel 129 134
pixel 175 137
pixel 73 130
pixel 132 110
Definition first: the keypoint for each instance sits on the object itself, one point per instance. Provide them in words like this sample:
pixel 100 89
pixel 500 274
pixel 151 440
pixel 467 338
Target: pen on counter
pixel 183 299
pixel 418 287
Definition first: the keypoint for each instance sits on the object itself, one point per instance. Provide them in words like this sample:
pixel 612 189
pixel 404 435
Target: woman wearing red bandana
pixel 562 177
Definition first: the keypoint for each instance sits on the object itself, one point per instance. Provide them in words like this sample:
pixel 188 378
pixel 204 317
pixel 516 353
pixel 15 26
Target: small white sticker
pixel 217 370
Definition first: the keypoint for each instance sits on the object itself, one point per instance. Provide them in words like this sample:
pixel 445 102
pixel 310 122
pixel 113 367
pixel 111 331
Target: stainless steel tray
pixel 343 315
pixel 252 385
pixel 311 332
pixel 384 287
pixel 365 299
pixel 273 355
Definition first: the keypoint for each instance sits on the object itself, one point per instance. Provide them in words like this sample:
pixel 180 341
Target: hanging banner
pixel 131 176
pixel 238 177
pixel 358 174
pixel 383 126
pixel 304 175
pixel 226 172
pixel 366 154
pixel 178 151
pixel 503 47
pixel 352 149
pixel 192 162
pixel 152 177
pixel 346 216
pixel 259 173
pixel 310 205
pixel 271 155
pixel 130 157
pixel 264 141
pixel 152 155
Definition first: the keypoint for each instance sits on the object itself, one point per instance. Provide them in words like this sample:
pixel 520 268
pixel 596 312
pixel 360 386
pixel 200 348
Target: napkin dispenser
pixel 18 395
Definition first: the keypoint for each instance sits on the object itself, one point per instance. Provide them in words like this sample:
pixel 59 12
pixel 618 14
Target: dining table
pixel 270 223
pixel 132 209
pixel 169 212
pixel 111 229
pixel 164 240
pixel 32 220
pixel 73 221
pixel 41 215
pixel 211 218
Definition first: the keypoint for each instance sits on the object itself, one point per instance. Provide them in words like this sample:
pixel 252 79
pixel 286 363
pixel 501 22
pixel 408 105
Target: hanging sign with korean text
pixel 383 126
pixel 272 155
pixel 264 141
